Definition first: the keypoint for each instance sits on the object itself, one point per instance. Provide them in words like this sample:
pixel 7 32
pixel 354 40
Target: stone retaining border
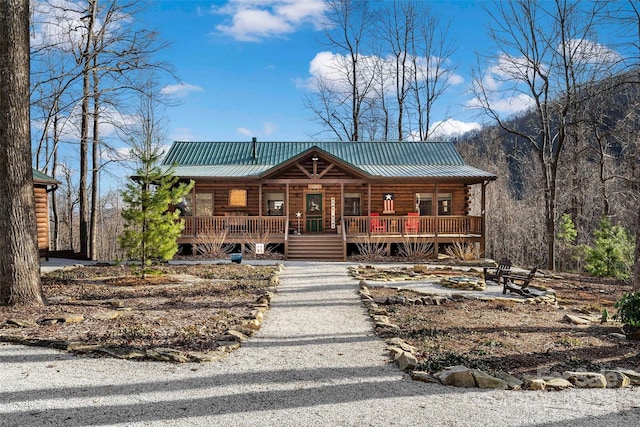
pixel 230 341
pixel 402 354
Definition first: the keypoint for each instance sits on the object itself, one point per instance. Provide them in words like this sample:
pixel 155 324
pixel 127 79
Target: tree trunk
pixel 95 177
pixel 84 133
pixel 636 258
pixel 19 269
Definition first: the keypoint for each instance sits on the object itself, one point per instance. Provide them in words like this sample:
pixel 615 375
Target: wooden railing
pixel 210 225
pixel 413 226
pixel 352 225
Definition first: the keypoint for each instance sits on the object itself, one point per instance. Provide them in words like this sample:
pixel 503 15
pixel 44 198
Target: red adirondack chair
pixel 376 225
pixel 412 224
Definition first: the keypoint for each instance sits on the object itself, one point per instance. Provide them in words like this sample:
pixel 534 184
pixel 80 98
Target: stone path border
pixel 315 362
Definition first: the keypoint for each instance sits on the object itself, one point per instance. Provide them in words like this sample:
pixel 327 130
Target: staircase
pixel 316 247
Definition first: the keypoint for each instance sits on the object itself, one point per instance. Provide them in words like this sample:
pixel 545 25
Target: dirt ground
pixel 516 337
pixel 190 307
pixel 185 308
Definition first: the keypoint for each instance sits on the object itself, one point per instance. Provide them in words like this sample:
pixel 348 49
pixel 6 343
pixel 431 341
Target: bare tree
pixel 548 55
pixel 388 66
pixel 19 270
pixel 432 47
pixel 342 99
pixel 109 51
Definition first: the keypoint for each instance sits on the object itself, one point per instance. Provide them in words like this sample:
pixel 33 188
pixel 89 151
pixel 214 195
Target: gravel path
pixel 315 362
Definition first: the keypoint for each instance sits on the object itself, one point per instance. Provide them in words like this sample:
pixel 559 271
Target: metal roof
pixel 43 178
pixel 381 159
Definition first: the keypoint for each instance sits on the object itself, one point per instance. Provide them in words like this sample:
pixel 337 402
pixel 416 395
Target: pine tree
pixel 151 228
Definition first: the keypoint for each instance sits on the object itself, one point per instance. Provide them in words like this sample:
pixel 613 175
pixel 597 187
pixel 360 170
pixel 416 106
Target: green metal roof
pixel 41 177
pixel 381 159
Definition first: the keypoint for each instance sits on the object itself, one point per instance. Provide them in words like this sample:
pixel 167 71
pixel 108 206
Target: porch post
pixel 368 225
pixel 483 222
pixel 260 208
pixel 434 202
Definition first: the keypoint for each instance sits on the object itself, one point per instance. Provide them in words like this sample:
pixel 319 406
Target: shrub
pixel 612 252
pixel 571 256
pixel 464 251
pixel 629 309
pixel 414 249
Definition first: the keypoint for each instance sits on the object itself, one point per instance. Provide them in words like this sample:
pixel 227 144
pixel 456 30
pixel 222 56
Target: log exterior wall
pixel 42 216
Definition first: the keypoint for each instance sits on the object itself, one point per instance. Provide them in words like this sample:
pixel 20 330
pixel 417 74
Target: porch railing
pixel 413 225
pixel 211 225
pixel 352 225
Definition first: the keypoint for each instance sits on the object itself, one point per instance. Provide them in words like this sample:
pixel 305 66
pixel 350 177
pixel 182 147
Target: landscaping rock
pixel 557 384
pixel 634 376
pixel 424 377
pixel 534 384
pixel 399 342
pixel 107 315
pixel 618 336
pixel 233 335
pixel 616 379
pixel 21 323
pixel 122 352
pixel 513 383
pixel 585 379
pixel 406 361
pixel 167 355
pixel 252 324
pixel 576 320
pixel 484 380
pixel 457 376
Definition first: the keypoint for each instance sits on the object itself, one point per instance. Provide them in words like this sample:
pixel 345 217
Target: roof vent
pixel 255 148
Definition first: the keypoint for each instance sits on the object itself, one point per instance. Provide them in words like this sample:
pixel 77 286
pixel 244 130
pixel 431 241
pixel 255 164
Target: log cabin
pixel 319 200
pixel 42 185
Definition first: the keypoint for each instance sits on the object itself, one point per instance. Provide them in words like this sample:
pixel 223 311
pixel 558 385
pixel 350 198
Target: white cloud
pixel 60 23
pixel 182 134
pixel 253 20
pixel 450 128
pixel 501 83
pixel 245 131
pixel 332 69
pixel 180 90
pixel 268 128
pixel 586 51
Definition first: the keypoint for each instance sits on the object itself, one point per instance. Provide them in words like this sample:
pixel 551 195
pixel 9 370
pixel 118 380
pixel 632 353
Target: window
pixel 275 204
pixel 424 204
pixel 238 197
pixel 185 205
pixel 352 204
pixel 444 203
pixel 204 204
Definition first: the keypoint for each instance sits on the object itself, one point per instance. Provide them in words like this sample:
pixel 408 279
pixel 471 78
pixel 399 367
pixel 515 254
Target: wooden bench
pixel 519 284
pixel 495 274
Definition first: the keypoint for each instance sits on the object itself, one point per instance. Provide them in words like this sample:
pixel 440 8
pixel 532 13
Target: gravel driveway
pixel 315 362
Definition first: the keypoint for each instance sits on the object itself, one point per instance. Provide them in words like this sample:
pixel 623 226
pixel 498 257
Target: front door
pixel 314 213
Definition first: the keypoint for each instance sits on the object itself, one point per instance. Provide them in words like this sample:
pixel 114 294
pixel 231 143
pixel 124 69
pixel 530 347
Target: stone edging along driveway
pixel 400 352
pixel 461 376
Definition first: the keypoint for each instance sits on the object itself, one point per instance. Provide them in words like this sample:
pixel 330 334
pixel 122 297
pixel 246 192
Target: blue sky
pixel 243 64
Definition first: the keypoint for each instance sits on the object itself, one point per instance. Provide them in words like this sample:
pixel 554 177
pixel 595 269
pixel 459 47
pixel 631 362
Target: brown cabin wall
pixel 404 197
pixel 42 216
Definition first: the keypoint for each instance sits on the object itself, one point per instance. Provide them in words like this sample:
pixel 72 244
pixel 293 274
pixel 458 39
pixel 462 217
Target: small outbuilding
pixel 42 186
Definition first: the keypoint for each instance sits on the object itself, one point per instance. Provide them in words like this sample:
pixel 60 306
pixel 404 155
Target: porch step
pixel 319 247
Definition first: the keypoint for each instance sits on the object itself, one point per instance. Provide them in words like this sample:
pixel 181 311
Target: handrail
pixel 413 225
